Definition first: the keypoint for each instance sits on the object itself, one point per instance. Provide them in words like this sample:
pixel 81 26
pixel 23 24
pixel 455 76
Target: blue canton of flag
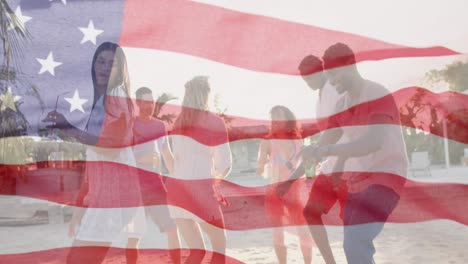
pixel 57 60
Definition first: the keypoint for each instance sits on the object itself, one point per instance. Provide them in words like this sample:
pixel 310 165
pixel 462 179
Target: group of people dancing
pixel 129 152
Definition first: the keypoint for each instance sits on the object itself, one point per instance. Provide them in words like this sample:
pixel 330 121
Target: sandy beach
pixel 437 241
pixel 431 242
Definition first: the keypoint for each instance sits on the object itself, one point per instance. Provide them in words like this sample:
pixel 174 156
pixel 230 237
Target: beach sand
pixel 438 241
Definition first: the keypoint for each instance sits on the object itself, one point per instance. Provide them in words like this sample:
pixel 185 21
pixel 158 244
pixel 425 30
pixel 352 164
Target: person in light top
pixel 279 151
pixel 152 144
pixel 371 161
pixel 202 157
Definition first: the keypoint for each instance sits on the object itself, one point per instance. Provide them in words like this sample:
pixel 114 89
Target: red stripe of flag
pixel 244 40
pixel 419 201
pixel 435 108
pixel 82 255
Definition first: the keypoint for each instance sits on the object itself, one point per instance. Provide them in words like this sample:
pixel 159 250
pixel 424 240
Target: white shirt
pixel 96 122
pixel 195 160
pixel 326 107
pixel 144 131
pixel 391 157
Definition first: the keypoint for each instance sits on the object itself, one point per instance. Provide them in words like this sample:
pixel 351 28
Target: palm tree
pixel 13 35
pixel 12 122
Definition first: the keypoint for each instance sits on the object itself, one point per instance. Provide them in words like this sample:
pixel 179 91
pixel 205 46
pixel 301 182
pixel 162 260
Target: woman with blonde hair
pixel 201 152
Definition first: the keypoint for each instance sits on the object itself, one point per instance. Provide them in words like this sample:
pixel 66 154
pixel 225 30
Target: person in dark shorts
pixel 371 164
pixel 323 194
pixel 151 134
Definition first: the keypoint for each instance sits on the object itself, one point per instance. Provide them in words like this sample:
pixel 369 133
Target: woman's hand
pixel 57 119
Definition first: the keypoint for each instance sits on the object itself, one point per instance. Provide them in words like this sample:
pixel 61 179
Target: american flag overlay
pixel 221 131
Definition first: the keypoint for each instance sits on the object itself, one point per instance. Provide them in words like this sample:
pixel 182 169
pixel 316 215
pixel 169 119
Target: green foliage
pixel 14 147
pixel 14 150
pixel 455 75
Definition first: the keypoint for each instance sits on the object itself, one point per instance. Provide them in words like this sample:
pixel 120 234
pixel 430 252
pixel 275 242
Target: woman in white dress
pixel 110 192
pixel 279 152
pixel 201 152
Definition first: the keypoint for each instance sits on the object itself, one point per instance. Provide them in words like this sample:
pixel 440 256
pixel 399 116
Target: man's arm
pixel 330 136
pixel 168 157
pixel 310 155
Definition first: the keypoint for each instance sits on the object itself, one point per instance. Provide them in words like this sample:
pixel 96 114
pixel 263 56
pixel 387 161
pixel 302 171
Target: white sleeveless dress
pixel 194 160
pixel 109 186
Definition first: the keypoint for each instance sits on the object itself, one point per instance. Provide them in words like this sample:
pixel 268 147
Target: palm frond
pixel 13 35
pixel 38 96
pixel 165 97
pixel 168 118
pixel 161 101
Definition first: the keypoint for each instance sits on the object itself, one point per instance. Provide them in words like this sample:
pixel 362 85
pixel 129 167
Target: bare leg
pixel 280 248
pixel 306 242
pixel 218 242
pixel 307 254
pixel 313 215
pixel 131 252
pixel 277 211
pixel 161 217
pixel 191 233
pixel 174 245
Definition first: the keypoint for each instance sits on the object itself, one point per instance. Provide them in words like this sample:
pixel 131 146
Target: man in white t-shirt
pixel 372 156
pixel 323 195
pixel 311 69
pixel 150 136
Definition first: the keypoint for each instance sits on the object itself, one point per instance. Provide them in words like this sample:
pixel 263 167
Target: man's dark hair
pixel 338 55
pixel 141 91
pixel 310 64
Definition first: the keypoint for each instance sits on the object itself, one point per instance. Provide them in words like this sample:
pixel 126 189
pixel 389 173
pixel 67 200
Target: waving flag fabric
pixel 251 52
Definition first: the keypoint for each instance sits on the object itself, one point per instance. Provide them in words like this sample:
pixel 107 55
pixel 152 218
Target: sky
pixel 252 94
